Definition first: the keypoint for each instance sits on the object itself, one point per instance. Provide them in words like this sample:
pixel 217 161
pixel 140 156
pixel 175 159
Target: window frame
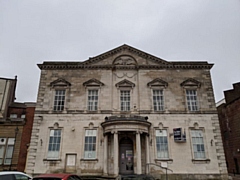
pixel 195 101
pixel 125 106
pixel 62 107
pixel 7 154
pixel 156 145
pixel 93 89
pixel 84 147
pixel 163 100
pixel 203 143
pixel 50 157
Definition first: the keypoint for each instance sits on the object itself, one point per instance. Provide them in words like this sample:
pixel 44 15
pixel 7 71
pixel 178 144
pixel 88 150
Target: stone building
pixel 127 112
pixel 16 120
pixel 229 120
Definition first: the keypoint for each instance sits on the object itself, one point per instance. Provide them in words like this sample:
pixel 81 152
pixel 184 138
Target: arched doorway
pixel 126 156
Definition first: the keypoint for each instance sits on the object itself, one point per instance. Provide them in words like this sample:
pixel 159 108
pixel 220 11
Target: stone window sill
pixel 201 161
pixel 52 160
pixel 88 159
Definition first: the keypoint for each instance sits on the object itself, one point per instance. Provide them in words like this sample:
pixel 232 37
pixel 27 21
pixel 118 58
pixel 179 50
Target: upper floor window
pixel 93 100
pixel 125 100
pixel 158 102
pixel 93 88
pixel 13 115
pixel 60 88
pixel 90 144
pixel 192 102
pixel 191 86
pixel 158 86
pixel 59 100
pixel 162 144
pixel 54 144
pixel 198 144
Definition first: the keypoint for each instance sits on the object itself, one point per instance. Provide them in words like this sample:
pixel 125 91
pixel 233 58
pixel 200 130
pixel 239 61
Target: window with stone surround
pixel 93 89
pixel 59 100
pixel 158 87
pixel 6 150
pixel 90 144
pixel 60 89
pixel 92 99
pixel 162 144
pixel 54 144
pixel 191 87
pixel 198 144
pixel 158 101
pixel 192 101
pixel 125 100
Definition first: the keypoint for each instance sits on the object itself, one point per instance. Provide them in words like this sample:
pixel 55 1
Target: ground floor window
pixel 54 144
pixel 162 144
pixel 198 144
pixel 90 144
pixel 6 150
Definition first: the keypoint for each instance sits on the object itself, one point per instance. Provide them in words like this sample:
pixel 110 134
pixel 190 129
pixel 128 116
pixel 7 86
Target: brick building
pixel 15 127
pixel 229 120
pixel 127 112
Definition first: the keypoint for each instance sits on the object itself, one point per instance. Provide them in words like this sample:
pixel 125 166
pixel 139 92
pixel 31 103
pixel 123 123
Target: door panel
pixel 126 158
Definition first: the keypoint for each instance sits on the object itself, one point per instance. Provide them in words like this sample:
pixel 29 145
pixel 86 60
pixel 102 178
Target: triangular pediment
pixel 93 82
pixel 60 82
pixel 125 83
pixel 125 55
pixel 157 83
pixel 191 82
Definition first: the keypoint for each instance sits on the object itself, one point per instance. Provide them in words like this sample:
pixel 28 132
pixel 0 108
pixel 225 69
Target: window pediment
pixel 191 83
pixel 93 82
pixel 60 82
pixel 125 83
pixel 157 83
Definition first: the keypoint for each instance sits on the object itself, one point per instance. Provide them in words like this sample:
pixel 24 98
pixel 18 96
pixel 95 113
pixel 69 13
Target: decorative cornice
pixel 191 82
pixel 125 83
pixel 157 82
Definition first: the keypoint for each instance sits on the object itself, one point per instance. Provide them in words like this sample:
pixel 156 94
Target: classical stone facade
pixel 127 112
pixel 229 119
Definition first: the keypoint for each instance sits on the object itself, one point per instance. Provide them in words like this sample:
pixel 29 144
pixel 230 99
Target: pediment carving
pixel 157 83
pixel 124 60
pixel 191 83
pixel 93 82
pixel 125 83
pixel 60 82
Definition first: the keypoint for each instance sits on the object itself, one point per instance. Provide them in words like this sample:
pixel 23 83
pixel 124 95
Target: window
pixel 125 100
pixel 23 116
pixel 198 144
pixel 59 100
pixel 92 100
pixel 162 144
pixel 54 143
pixel 90 144
pixel 6 150
pixel 13 115
pixel 158 100
pixel 192 100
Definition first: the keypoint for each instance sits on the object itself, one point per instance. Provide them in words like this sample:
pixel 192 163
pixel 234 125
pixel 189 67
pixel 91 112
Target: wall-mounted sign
pixel 179 136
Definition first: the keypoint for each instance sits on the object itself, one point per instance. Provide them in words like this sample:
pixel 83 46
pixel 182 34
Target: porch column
pixel 138 151
pixel 105 161
pixel 147 153
pixel 115 153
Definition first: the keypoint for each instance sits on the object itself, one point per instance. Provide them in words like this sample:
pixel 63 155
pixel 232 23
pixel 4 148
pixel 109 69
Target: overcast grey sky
pixel 32 31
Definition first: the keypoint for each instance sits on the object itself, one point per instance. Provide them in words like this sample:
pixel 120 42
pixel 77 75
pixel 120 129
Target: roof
pixel 124 50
